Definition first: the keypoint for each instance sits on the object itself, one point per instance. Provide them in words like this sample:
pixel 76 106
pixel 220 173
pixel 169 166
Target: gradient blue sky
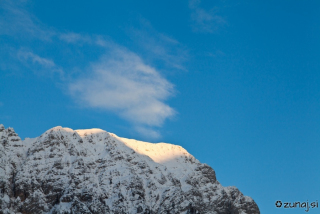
pixel 236 84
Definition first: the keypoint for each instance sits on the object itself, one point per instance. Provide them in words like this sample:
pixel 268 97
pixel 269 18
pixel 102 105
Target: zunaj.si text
pixel 305 205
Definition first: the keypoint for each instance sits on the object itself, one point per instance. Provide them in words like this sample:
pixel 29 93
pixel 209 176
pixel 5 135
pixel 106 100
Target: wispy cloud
pixel 18 22
pixel 148 132
pixel 159 46
pixel 123 83
pixel 113 78
pixel 204 20
pixel 91 40
pixel 75 38
pixel 38 63
pixel 25 56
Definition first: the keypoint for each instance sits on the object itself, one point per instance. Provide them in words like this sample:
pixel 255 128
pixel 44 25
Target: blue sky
pixel 236 84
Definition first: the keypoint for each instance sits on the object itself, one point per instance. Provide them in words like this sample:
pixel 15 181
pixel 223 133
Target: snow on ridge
pixel 159 152
pixel 172 156
pixel 59 128
pixel 156 151
pixel 92 168
pixel 83 132
pixel 169 155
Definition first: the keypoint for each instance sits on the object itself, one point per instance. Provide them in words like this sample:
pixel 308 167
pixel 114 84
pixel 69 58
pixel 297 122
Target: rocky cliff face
pixel 94 172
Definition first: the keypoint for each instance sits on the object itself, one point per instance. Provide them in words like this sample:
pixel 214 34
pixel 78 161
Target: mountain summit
pixel 96 172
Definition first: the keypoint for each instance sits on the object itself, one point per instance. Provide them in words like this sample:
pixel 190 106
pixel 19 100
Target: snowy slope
pixel 93 171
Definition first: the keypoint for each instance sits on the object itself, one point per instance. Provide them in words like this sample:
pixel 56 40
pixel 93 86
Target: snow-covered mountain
pixel 93 171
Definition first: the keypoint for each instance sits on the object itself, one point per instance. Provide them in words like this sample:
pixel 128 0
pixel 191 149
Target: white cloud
pixel 148 132
pixel 75 38
pixel 28 57
pixel 123 83
pixel 16 21
pixel 93 40
pixel 120 81
pixel 194 3
pixel 159 46
pixel 35 59
pixel 204 20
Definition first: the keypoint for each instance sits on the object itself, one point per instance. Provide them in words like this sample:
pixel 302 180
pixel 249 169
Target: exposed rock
pixel 93 171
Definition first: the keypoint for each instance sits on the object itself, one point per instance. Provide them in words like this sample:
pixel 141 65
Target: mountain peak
pixel 93 171
pixel 1 127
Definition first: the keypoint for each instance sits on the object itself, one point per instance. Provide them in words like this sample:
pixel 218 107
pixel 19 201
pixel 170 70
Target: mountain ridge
pixel 93 171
